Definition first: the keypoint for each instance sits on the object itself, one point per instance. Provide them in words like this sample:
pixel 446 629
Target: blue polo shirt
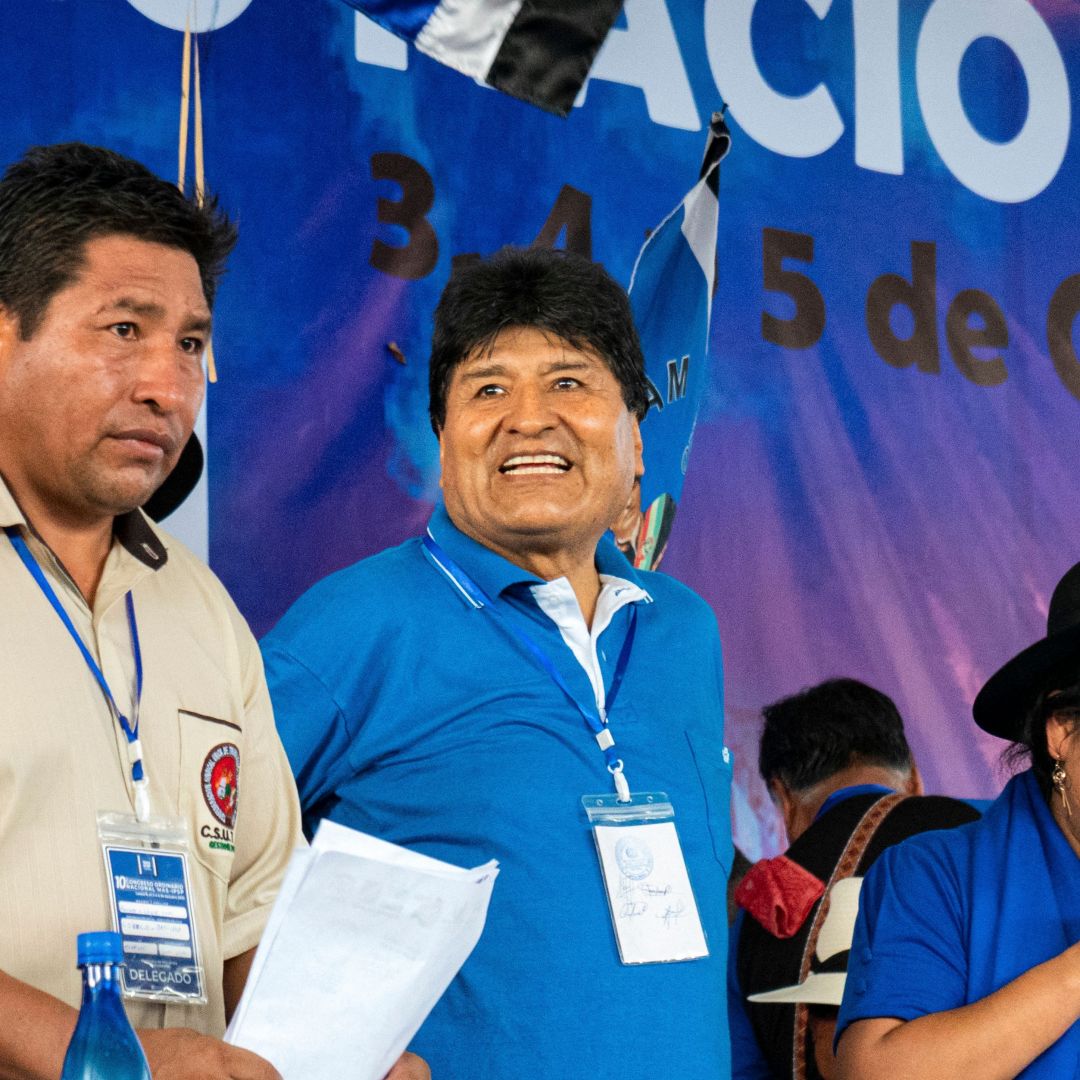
pixel 410 714
pixel 947 918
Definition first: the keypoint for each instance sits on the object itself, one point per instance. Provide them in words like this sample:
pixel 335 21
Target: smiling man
pixel 461 694
pixel 135 713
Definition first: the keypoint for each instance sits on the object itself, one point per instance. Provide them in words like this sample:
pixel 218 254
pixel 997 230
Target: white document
pixel 652 905
pixel 363 939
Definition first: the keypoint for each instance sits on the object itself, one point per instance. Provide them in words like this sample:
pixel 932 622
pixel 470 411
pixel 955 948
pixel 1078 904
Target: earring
pixel 1059 780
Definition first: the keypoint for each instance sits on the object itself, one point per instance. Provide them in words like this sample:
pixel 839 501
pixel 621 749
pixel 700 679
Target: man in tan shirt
pixel 107 277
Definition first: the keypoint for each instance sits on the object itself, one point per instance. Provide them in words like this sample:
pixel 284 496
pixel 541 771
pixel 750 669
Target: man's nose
pixel 530 410
pixel 167 378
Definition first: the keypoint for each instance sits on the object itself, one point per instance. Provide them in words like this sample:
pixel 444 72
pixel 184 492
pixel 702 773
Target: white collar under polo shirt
pixel 63 757
pixel 559 602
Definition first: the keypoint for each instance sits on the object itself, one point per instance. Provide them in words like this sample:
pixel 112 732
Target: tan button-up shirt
pixel 64 758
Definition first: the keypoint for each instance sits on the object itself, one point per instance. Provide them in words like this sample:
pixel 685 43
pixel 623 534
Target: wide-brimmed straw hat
pixel 828 972
pixel 1003 703
pixel 179 484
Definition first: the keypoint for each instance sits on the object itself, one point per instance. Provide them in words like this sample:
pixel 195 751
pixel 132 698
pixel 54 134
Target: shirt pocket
pixel 211 749
pixel 713 763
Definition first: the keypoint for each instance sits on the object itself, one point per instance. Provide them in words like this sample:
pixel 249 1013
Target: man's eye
pixel 567 383
pixel 123 329
pixel 192 345
pixel 489 390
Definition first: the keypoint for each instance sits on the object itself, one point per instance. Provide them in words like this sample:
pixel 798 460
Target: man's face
pixel 96 407
pixel 539 451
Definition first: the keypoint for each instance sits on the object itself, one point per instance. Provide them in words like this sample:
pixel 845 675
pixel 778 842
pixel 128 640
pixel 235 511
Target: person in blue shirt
pixel 836 762
pixel 461 693
pixel 966 954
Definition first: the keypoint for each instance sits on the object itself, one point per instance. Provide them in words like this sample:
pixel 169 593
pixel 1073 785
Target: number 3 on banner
pixel 571 214
pixel 418 257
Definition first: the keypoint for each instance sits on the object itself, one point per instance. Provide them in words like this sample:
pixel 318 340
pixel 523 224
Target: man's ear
pixel 914 782
pixel 639 451
pixel 785 802
pixel 9 332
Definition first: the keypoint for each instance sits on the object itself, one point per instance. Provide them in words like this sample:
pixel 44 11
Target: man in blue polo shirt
pixel 453 695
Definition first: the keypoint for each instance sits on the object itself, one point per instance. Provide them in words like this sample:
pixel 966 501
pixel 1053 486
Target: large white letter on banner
pixel 374 45
pixel 879 137
pixel 646 54
pixel 796 126
pixel 1005 172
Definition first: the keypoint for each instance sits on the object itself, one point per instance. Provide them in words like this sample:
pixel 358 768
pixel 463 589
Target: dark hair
pixel 1060 695
pixel 57 198
pixel 557 292
pixel 812 735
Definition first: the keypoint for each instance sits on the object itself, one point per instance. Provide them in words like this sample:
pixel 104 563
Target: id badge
pixel 653 910
pixel 146 865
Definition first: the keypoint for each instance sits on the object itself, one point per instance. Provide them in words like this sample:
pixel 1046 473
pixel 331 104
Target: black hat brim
pixel 1002 705
pixel 179 484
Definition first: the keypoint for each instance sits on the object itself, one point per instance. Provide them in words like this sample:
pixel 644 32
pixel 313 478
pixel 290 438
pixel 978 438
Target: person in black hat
pixel 965 960
pixel 838 766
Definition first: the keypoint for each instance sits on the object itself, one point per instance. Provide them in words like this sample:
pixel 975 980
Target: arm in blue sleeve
pixel 747 1060
pixel 907 956
pixel 312 729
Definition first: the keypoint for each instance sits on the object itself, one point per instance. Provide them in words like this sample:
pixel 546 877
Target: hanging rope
pixel 190 54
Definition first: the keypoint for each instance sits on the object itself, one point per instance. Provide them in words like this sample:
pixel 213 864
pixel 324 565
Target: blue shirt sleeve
pixel 747 1060
pixel 310 724
pixel 907 955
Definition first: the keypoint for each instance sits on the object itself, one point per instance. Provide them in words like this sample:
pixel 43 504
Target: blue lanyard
pixel 130 729
pixel 596 723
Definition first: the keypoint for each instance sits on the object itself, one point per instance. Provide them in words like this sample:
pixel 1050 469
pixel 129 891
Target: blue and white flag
pixel 539 51
pixel 671 291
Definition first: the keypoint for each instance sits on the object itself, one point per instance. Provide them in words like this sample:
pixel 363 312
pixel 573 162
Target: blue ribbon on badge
pixel 130 729
pixel 596 724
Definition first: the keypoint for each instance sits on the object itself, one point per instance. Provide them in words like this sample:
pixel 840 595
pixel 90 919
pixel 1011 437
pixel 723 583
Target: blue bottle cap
pixel 100 947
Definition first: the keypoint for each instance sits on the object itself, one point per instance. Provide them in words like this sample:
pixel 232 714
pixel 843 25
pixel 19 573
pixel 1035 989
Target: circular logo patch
pixel 175 14
pixel 220 782
pixel 634 858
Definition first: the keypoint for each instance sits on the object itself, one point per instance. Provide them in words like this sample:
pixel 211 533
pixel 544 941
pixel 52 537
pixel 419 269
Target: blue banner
pixel 883 476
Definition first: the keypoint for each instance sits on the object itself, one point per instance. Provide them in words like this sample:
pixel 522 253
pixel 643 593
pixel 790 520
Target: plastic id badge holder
pixel 652 904
pixel 146 865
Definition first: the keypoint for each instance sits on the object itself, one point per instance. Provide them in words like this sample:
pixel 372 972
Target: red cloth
pixel 779 894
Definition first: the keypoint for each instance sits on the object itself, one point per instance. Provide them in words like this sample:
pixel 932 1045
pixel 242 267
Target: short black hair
pixel 557 292
pixel 816 733
pixel 1059 695
pixel 56 198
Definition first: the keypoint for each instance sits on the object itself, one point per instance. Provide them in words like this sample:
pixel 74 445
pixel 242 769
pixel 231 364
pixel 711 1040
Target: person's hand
pixel 409 1067
pixel 183 1054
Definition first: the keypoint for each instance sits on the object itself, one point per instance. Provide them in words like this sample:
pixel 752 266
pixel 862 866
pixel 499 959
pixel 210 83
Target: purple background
pixel 840 515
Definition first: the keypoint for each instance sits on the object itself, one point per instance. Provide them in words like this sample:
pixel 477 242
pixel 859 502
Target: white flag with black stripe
pixel 539 51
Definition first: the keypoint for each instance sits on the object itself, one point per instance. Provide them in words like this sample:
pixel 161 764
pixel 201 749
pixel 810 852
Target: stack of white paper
pixel 364 938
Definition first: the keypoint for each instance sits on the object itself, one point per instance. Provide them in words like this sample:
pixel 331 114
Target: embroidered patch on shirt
pixel 220 782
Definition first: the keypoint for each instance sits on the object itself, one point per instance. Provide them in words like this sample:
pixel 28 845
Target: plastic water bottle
pixel 104 1046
